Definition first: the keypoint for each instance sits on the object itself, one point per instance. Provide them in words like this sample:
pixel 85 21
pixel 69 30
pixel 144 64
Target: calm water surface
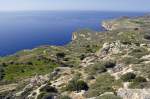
pixel 26 30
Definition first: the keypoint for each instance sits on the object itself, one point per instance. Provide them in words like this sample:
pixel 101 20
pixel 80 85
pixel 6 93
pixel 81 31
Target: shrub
pixel 110 64
pixel 82 57
pixel 129 37
pixel 49 89
pixel 139 52
pixel 60 55
pixel 128 77
pixel 64 97
pixel 131 60
pixel 109 96
pixel 1 73
pixel 100 67
pixel 147 36
pixel 139 79
pixel 77 85
pixel 96 68
pixel 41 95
pixel 90 77
pixel 139 82
pixel 104 83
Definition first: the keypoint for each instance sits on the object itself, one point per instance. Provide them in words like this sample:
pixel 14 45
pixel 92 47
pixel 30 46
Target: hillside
pixel 114 64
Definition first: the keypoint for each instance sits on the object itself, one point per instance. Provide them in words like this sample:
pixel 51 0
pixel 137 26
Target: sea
pixel 29 29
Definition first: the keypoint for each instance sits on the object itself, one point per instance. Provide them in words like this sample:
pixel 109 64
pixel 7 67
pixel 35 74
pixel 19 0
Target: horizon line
pixel 75 10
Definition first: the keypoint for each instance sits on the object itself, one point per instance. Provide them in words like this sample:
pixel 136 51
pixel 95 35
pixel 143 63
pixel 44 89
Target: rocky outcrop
pixel 134 93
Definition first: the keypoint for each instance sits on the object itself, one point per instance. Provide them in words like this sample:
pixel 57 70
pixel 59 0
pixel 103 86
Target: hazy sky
pixel 116 5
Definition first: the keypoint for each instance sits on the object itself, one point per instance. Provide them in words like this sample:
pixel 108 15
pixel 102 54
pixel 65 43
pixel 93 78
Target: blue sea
pixel 30 29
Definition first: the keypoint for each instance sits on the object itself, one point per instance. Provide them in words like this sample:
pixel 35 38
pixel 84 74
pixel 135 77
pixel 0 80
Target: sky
pixel 100 5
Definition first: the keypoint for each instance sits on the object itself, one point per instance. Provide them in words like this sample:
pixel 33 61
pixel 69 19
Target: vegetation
pixel 1 72
pixel 131 60
pixel 139 52
pixel 96 68
pixel 48 89
pixel 143 68
pixel 129 42
pixel 147 36
pixel 100 67
pixel 46 96
pixel 18 71
pixel 128 77
pixel 64 97
pixel 104 83
pixel 109 96
pixel 138 82
pixel 77 85
pixel 129 37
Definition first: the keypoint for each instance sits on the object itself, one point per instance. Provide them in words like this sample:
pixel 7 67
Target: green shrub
pixel 60 55
pixel 147 36
pixel 92 48
pixel 48 89
pixel 139 82
pixel 82 57
pixel 77 85
pixel 136 85
pixel 129 37
pixel 104 83
pixel 139 52
pixel 2 73
pixel 139 79
pixel 143 68
pixel 110 64
pixel 131 60
pixel 21 71
pixel 90 77
pixel 41 95
pixel 109 96
pixel 96 68
pixel 100 67
pixel 128 77
pixel 64 97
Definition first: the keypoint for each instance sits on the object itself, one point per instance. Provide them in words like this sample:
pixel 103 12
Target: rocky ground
pixel 114 64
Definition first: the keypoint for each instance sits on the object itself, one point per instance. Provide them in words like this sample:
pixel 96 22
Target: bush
pixel 77 85
pixel 128 77
pixel 90 77
pixel 96 68
pixel 49 89
pixel 60 55
pixel 1 73
pixel 82 57
pixel 100 67
pixel 64 97
pixel 139 82
pixel 147 36
pixel 139 79
pixel 104 83
pixel 110 64
pixel 139 52
pixel 109 96
pixel 131 60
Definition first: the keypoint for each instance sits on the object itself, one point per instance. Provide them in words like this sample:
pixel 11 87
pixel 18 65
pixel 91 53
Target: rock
pixel 134 93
